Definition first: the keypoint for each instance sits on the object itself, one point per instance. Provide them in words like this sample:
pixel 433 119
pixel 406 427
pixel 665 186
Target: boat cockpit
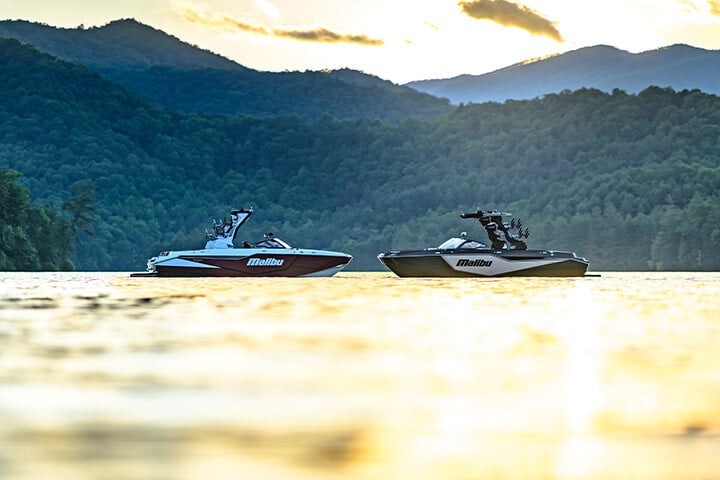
pixel 268 242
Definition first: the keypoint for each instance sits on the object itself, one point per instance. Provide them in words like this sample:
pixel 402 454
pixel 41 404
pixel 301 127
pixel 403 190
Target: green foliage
pixel 31 238
pixel 81 206
pixel 631 182
pixel 176 74
pixel 306 94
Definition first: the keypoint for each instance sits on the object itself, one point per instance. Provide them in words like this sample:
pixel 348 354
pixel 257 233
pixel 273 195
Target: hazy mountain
pixel 605 68
pixel 174 73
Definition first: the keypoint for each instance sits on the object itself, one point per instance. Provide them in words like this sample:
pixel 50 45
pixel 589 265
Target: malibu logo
pixel 265 262
pixel 464 262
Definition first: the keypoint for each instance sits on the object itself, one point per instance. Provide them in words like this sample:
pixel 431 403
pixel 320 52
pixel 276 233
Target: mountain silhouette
pixel 120 43
pixel 602 67
pixel 174 73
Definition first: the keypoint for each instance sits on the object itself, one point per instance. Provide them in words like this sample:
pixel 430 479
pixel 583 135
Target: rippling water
pixel 359 376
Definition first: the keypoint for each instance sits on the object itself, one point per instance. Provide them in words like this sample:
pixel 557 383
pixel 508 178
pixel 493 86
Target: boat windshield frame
pixel 456 243
pixel 271 243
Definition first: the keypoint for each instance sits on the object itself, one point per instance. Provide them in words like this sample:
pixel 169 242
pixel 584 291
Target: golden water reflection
pixel 359 376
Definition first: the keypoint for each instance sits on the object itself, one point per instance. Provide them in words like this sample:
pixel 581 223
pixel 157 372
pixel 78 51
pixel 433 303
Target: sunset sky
pixel 398 40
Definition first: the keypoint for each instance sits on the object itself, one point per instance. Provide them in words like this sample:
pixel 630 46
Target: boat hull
pixel 471 263
pixel 249 263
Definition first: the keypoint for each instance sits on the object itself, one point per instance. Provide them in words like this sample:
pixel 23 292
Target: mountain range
pixel 177 74
pixel 602 67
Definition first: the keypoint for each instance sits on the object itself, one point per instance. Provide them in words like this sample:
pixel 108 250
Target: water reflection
pixel 360 376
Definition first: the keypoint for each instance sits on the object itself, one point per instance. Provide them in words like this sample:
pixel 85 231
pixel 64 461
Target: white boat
pixel 269 257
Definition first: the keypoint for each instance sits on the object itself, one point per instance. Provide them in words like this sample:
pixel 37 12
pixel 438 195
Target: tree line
pixel 41 238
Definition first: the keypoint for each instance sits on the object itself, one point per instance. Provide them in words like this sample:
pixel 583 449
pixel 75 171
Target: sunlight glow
pixel 420 39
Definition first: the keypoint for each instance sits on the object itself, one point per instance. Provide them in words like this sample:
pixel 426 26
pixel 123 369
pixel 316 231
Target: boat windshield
pixel 460 243
pixel 271 243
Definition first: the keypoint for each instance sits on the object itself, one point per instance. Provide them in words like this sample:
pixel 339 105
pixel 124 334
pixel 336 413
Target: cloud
pixel 689 4
pixel 432 25
pixel 222 22
pixel 267 8
pixel 714 7
pixel 324 35
pixel 319 35
pixel 511 14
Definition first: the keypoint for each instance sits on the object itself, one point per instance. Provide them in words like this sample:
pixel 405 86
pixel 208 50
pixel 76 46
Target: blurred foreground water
pixel 359 376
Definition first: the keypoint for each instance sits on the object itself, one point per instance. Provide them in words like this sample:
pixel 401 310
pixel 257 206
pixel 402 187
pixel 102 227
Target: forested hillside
pixel 176 74
pixel 308 95
pixel 629 181
pixel 121 43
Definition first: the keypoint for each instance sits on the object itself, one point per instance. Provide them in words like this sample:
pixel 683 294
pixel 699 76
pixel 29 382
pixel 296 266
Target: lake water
pixel 359 376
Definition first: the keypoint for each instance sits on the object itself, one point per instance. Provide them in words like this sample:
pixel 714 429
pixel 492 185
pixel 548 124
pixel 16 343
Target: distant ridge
pixel 174 73
pixel 603 67
pixel 120 43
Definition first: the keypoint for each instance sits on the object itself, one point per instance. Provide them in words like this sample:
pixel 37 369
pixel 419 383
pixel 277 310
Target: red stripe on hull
pixel 264 265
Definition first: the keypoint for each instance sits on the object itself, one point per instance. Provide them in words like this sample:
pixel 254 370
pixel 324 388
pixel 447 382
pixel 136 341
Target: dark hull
pixel 262 265
pixel 527 263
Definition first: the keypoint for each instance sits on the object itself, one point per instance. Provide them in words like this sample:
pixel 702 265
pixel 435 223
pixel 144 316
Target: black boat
pixel 506 256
